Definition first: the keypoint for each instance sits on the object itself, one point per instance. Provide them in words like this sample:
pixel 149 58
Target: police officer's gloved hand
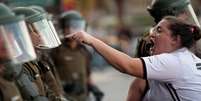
pixel 98 94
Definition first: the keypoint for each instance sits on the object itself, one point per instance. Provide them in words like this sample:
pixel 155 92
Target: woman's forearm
pixel 119 60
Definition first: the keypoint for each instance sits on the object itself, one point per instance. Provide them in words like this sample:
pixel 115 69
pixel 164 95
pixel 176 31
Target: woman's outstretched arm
pixel 119 60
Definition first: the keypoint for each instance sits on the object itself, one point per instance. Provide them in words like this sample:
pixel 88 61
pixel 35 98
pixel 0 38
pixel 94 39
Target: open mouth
pixel 151 46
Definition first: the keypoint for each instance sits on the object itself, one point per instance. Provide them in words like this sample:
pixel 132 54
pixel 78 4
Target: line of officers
pixel 38 65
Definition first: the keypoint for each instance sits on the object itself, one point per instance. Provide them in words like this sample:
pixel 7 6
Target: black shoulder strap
pixel 172 92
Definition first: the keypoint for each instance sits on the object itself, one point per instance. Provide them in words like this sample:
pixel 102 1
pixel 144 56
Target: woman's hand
pixel 82 37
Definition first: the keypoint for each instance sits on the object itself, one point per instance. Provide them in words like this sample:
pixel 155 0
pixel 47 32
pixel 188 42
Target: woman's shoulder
pixel 182 52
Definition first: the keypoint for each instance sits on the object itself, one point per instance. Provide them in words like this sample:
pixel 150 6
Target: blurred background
pixel 117 22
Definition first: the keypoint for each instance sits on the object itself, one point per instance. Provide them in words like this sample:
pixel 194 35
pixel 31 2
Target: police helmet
pixel 160 8
pixel 15 44
pixel 39 23
pixel 72 19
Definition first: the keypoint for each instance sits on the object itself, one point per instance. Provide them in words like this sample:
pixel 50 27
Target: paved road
pixel 114 84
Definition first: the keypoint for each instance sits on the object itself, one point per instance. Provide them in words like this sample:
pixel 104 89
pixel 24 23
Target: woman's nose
pixel 151 32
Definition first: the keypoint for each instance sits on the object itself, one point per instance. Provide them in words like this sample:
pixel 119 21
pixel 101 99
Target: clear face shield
pixel 47 36
pixel 73 26
pixel 76 26
pixel 55 36
pixel 15 43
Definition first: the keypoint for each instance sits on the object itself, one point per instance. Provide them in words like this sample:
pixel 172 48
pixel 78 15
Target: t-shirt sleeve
pixel 163 67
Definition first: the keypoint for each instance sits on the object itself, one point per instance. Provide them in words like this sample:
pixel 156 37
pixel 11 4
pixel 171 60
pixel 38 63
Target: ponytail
pixel 195 32
pixel 188 33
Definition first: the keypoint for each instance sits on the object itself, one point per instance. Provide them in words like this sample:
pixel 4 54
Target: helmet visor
pixel 55 36
pixel 44 31
pixel 76 25
pixel 15 43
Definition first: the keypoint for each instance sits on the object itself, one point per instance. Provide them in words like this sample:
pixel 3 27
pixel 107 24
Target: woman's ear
pixel 176 40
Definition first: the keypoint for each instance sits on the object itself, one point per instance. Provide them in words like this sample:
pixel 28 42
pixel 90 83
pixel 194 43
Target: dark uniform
pixel 72 68
pixel 31 69
pixel 51 77
pixel 41 75
pixel 13 33
pixel 72 60
pixel 38 71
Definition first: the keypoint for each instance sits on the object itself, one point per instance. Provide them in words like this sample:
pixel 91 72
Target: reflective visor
pixel 56 41
pixel 76 25
pixel 15 43
pixel 48 38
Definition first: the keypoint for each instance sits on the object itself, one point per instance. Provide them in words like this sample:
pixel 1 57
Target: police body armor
pixel 31 69
pixel 51 77
pixel 40 75
pixel 71 66
pixel 30 91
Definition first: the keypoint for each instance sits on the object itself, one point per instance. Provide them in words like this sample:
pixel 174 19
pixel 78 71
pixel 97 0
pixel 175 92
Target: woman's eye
pixel 158 30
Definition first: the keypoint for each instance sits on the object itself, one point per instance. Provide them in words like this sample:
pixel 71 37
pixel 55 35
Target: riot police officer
pixel 15 48
pixel 72 60
pixel 45 58
pixel 43 37
pixel 158 9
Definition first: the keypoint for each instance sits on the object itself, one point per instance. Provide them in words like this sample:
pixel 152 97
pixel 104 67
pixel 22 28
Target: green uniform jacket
pixel 41 75
pixel 71 65
pixel 31 69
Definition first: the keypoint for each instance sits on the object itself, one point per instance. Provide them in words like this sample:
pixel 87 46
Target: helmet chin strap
pixel 194 15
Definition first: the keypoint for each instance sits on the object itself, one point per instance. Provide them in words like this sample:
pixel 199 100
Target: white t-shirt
pixel 173 76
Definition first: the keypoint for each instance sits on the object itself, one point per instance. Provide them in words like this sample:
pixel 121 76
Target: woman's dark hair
pixel 188 33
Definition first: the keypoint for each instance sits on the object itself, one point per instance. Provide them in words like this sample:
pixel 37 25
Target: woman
pixel 173 70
